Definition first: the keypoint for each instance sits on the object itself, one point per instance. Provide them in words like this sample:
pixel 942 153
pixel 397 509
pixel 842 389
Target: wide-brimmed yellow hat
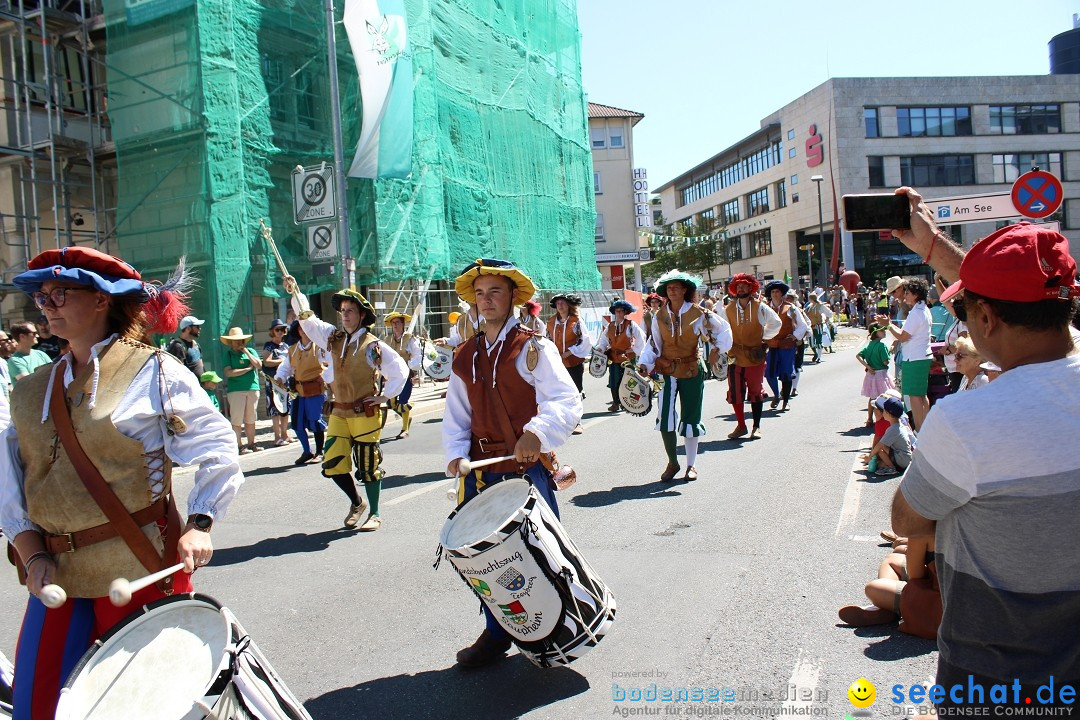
pixel 453 317
pixel 524 287
pixel 235 333
pixel 389 319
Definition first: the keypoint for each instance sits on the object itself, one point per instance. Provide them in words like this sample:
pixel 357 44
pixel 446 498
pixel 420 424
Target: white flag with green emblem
pixel 379 37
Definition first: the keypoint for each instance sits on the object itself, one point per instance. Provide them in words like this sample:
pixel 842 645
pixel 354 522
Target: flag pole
pixel 345 261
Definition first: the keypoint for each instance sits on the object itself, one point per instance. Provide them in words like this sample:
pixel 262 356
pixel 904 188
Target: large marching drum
pixel 513 552
pixel 180 658
pixel 598 364
pixel 636 391
pixel 437 361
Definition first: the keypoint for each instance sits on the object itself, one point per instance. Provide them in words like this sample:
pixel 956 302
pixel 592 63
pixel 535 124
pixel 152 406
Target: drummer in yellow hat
pixel 362 364
pixel 509 395
pixel 408 347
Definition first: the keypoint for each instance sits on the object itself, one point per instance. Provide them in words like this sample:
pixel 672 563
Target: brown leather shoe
pixel 670 472
pixel 737 432
pixel 861 617
pixel 484 651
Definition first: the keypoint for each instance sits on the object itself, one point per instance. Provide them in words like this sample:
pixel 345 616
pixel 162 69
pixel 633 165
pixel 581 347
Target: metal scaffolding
pixel 57 159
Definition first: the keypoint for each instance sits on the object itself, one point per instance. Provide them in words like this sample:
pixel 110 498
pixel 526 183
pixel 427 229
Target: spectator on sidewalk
pixel 47 342
pixel 274 351
pixel 210 381
pixel 893 451
pixel 25 359
pixel 242 368
pixel 914 337
pixel 1003 500
pixel 969 362
pixel 186 345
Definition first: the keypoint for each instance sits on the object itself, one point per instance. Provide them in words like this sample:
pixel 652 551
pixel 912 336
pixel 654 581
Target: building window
pixel 760 242
pixel 707 218
pixel 937 170
pixel 615 137
pixel 871 118
pixel 599 138
pixel 596 184
pixel 657 218
pixel 790 134
pixel 599 227
pixel 792 152
pixel 687 223
pixel 933 121
pixel 876 170
pixel 309 101
pixel 1025 119
pixel 735 246
pixel 794 179
pixel 781 194
pixel 729 212
pixel 757 202
pixel 1008 167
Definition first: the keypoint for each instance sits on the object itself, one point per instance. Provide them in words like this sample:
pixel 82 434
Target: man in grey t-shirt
pixel 1003 499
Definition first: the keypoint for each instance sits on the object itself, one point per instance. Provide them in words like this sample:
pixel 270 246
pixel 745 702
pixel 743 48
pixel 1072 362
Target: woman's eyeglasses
pixel 960 356
pixel 56 297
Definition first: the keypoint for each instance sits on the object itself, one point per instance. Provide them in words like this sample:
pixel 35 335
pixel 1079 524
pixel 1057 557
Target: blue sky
pixel 705 72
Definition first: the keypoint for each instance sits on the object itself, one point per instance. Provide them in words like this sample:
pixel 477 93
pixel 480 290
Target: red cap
pixel 1019 263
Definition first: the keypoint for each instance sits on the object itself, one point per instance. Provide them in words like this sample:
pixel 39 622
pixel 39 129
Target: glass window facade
pixel 1025 119
pixel 730 174
pixel 937 170
pixel 870 117
pixel 760 242
pixel 933 121
pixel 1009 166
pixel 757 202
pixel 781 194
pixel 729 212
pixel 875 166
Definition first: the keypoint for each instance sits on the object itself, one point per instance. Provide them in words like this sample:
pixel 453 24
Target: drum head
pixel 280 398
pixel 635 393
pixel 155 664
pixel 719 367
pixel 598 365
pixel 437 362
pixel 478 518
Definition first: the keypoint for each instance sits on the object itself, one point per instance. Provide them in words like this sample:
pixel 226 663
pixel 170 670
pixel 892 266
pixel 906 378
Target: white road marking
pixel 803 682
pixel 852 496
pixel 439 485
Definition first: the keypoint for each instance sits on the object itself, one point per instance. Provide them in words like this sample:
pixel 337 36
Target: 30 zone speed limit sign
pixel 314 196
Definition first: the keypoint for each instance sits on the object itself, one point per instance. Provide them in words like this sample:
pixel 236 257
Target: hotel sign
pixel 642 212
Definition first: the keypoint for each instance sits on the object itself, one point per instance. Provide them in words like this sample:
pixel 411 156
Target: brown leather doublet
pixel 354 379
pixel 56 499
pixel 568 336
pixel 745 335
pixel 518 397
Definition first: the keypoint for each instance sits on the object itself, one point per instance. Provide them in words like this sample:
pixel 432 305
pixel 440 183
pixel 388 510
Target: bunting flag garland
pixel 685 240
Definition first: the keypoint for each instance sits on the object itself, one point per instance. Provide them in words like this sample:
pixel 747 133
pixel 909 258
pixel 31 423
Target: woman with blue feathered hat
pixel 622 341
pixel 678 326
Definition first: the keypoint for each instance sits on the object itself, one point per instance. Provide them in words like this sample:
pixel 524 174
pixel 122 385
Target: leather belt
pixel 357 406
pixel 72 541
pixel 309 388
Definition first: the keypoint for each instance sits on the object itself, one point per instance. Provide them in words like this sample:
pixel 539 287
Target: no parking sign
pixel 1037 194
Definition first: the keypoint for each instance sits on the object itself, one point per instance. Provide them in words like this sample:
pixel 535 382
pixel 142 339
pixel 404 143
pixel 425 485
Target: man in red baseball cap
pixel 996 476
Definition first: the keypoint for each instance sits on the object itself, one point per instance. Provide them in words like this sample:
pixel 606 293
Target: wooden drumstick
pixel 53 596
pixel 466 466
pixel 121 590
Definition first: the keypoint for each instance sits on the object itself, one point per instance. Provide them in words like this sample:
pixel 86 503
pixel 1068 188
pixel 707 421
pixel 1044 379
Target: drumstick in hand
pixel 53 596
pixel 466 466
pixel 121 590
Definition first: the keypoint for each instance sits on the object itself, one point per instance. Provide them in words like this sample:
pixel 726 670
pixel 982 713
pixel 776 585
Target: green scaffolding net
pixel 213 103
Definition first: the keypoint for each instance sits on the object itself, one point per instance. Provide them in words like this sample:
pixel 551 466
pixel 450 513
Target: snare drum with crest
pixel 636 392
pixel 598 364
pixel 513 553
pixel 437 361
pixel 181 658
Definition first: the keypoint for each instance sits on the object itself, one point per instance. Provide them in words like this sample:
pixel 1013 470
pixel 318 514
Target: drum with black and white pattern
pixel 513 552
pixel 598 364
pixel 636 392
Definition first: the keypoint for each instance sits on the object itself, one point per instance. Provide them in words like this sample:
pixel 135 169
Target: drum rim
pixel 453 515
pixel 138 614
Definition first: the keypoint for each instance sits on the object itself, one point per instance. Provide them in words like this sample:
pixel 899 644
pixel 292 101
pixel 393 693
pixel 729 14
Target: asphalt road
pixel 727 584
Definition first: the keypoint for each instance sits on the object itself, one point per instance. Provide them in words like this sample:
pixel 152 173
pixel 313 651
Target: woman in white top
pixel 969 361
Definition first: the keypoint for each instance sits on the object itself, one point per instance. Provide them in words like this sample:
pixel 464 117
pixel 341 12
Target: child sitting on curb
pixel 893 450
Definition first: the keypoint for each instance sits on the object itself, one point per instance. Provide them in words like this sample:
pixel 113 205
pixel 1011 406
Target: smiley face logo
pixel 862 693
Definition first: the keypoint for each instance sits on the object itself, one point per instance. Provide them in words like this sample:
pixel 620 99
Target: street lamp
pixel 816 179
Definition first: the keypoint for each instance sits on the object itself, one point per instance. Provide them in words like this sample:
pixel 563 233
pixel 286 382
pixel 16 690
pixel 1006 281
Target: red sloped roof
pixel 596 110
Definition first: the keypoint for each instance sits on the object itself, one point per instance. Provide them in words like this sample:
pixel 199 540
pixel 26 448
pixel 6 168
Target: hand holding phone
pixel 880 212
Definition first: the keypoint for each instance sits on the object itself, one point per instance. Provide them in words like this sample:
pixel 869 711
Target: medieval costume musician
pixel 752 323
pixel 111 407
pixel 678 327
pixel 622 341
pixel 780 361
pixel 362 364
pixel 306 369
pixel 506 379
pixel 408 347
pixel 573 342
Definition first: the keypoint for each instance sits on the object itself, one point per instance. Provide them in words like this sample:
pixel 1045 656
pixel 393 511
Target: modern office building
pixel 622 209
pixel 946 136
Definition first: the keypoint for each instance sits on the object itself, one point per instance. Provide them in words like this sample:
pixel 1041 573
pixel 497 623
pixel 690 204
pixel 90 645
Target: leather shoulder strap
pixel 103 495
